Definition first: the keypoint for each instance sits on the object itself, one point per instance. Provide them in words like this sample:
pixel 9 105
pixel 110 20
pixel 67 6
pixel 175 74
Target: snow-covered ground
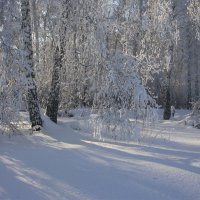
pixel 60 163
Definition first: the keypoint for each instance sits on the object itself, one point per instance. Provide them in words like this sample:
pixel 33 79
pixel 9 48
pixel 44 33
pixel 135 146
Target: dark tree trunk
pixel 33 104
pixel 53 102
pixel 189 98
pixel 167 109
pixel 189 67
pixel 197 97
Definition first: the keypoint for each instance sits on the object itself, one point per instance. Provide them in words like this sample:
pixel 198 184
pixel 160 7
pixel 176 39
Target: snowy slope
pixel 66 165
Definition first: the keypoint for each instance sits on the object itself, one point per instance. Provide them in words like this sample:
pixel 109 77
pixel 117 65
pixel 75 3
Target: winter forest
pixel 109 90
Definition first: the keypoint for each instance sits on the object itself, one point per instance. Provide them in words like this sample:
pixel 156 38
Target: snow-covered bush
pixel 121 98
pixel 196 114
pixel 10 101
pixel 193 119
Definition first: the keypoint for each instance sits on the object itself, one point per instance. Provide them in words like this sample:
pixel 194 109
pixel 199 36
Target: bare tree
pixel 33 104
pixel 53 102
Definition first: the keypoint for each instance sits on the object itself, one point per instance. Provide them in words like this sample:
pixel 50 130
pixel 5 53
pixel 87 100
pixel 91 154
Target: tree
pixel 11 85
pixel 158 47
pixel 53 102
pixel 33 104
pixel 194 12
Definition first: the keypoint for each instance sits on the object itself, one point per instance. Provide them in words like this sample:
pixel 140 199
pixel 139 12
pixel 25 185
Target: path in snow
pixel 65 165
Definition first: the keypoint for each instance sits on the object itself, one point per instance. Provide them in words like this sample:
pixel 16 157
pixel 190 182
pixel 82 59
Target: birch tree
pixel 54 96
pixel 33 104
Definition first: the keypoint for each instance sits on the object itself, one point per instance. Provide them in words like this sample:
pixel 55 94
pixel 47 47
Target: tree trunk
pixel 167 109
pixel 53 102
pixel 36 32
pixel 66 6
pixel 33 104
pixel 189 68
pixel 189 95
pixel 196 64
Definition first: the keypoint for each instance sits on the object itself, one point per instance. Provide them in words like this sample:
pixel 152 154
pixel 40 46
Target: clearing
pixel 60 163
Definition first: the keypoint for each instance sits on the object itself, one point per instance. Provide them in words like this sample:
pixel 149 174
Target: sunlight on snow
pixel 51 142
pixel 41 182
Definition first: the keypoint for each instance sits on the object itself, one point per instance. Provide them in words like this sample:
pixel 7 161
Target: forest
pixel 105 55
pixel 103 85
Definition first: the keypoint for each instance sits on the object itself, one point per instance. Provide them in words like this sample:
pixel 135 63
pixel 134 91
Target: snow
pixel 63 163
